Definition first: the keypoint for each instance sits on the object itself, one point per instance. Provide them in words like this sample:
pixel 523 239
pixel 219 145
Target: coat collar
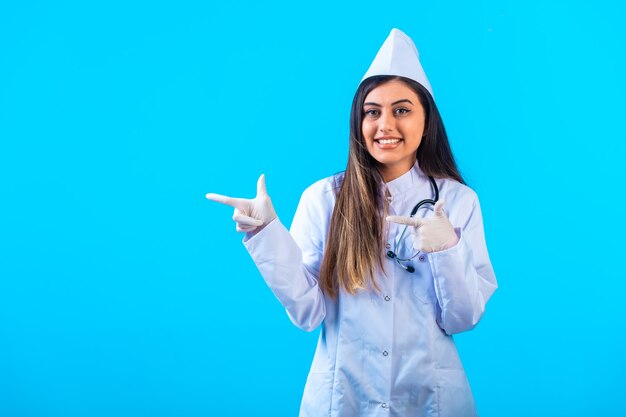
pixel 412 179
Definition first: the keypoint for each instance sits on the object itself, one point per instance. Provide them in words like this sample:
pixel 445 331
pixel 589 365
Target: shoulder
pixel 316 205
pixel 461 203
pixel 457 193
pixel 325 189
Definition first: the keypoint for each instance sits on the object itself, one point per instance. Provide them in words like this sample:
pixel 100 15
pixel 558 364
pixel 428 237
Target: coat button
pixel 387 298
pixel 422 258
pixel 387 245
pixel 384 405
pixel 385 353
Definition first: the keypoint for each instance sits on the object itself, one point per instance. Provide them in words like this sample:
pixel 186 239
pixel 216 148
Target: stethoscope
pixel 392 253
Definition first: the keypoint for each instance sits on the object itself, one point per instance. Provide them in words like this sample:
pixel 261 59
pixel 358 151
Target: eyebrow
pixel 404 100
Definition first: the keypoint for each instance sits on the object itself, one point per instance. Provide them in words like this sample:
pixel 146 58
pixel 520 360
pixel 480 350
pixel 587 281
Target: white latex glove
pixel 250 214
pixel 434 233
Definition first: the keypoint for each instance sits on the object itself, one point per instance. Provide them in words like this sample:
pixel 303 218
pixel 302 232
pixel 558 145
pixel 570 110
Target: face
pixel 393 126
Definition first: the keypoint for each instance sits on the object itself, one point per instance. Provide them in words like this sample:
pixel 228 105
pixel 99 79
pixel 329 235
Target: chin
pixel 386 159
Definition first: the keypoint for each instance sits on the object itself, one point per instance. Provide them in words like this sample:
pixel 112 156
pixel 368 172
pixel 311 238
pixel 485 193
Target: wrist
pixel 258 229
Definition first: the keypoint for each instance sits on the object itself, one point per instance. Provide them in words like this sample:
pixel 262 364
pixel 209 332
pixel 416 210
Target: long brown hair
pixel 355 245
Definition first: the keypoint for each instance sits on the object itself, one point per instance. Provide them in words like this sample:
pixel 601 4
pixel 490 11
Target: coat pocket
pixel 422 280
pixel 318 393
pixel 454 396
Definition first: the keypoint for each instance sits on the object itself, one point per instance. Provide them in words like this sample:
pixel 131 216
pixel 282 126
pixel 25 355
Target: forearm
pixel 464 281
pixel 279 260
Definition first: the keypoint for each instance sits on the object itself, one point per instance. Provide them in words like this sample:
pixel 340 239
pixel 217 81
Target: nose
pixel 386 122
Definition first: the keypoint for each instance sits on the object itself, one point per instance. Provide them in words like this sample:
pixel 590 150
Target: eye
pixel 371 112
pixel 402 110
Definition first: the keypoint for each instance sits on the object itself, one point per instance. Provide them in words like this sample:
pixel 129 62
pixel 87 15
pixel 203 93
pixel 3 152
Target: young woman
pixel 389 257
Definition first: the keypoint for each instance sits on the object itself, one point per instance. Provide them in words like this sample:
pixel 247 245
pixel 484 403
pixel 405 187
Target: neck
pixel 390 173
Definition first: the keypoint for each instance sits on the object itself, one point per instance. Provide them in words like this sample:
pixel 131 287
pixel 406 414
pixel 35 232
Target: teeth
pixel 388 141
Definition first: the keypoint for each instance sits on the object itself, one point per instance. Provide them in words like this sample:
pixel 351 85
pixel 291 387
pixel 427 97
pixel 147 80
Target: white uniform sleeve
pixel 290 262
pixel 463 276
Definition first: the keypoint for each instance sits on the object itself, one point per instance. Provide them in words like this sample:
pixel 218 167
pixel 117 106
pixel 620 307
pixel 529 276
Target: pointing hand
pixel 433 234
pixel 250 214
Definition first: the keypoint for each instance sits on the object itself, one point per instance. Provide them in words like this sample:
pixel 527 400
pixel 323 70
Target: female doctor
pixel 389 257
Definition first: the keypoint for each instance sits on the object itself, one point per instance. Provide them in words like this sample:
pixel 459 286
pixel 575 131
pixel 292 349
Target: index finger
pixel 410 221
pixel 238 203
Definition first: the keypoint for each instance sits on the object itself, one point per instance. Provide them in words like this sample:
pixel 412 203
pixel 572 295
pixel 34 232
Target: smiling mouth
pixel 387 141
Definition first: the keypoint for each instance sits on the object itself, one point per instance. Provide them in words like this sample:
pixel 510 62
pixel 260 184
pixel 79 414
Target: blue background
pixel 124 292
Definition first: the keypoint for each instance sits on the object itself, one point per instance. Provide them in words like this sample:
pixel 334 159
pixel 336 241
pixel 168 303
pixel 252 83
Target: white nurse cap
pixel 399 56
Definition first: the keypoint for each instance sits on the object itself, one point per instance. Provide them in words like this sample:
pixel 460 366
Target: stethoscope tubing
pixel 427 201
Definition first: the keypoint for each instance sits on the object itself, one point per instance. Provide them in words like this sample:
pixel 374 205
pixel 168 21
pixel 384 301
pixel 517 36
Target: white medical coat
pixel 389 353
